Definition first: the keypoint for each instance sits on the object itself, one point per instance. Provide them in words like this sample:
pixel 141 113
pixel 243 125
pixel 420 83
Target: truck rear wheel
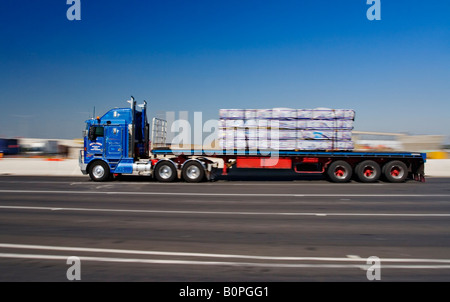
pixel 165 172
pixel 99 171
pixel 368 171
pixel 395 171
pixel 193 172
pixel 339 171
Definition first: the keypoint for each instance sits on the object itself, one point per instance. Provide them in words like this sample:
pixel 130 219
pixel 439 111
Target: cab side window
pixel 96 131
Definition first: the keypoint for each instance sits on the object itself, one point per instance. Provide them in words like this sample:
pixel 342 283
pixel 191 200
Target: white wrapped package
pixel 304 113
pixel 278 128
pixel 226 144
pixel 232 133
pixel 344 145
pixel 347 114
pixel 314 145
pixel 221 133
pixel 253 144
pixel 284 113
pixel 287 124
pixel 343 135
pixel 283 144
pixel 286 134
pixel 222 123
pixel 250 114
pixel 240 144
pixel 251 134
pixel 323 114
pixel 239 133
pixel 321 124
pixel 264 113
pixel 316 134
pixel 264 134
pixel 234 123
pixel 251 123
pixel 223 113
pixel 344 124
pixel 229 135
pixel 263 123
pixel 302 124
pixel 263 144
pixel 236 114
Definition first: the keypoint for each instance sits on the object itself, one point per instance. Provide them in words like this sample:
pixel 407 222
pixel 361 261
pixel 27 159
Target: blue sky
pixel 186 55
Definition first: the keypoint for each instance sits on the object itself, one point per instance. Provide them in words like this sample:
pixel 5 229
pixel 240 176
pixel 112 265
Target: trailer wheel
pixel 395 171
pixel 99 171
pixel 193 172
pixel 165 172
pixel 339 171
pixel 368 171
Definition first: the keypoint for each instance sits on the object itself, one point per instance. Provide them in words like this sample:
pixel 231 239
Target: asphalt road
pixel 135 229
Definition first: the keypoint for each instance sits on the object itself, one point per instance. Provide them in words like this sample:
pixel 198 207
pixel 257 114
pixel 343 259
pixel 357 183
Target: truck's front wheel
pixel 99 171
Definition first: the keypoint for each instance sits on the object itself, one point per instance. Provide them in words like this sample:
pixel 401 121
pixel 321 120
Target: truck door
pixel 95 140
pixel 113 142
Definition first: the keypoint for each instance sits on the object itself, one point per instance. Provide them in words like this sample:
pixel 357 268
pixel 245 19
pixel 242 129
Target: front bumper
pixel 83 166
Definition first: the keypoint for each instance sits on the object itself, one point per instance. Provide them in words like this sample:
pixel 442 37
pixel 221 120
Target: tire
pixel 339 171
pixel 99 171
pixel 368 171
pixel 395 171
pixel 193 171
pixel 165 172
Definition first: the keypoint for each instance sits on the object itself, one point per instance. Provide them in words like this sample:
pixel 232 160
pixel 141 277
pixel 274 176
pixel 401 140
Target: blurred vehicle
pixel 9 146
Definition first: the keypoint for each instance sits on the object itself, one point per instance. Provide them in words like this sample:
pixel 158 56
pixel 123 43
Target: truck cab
pixel 115 142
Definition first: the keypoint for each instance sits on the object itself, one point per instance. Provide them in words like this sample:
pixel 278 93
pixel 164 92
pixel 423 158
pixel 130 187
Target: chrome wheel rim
pixel 340 172
pixel 165 172
pixel 397 172
pixel 193 172
pixel 98 171
pixel 369 172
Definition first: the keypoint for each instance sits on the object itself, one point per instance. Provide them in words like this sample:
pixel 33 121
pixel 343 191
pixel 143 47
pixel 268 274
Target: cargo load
pixel 286 129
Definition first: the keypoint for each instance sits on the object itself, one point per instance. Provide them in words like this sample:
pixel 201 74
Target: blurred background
pixel 201 56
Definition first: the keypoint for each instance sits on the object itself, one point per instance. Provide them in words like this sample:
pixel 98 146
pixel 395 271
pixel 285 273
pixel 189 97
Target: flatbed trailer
pixel 337 166
pixel 118 143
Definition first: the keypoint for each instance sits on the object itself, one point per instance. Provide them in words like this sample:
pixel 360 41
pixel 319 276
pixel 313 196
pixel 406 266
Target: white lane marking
pixel 163 253
pixel 228 213
pixel 188 262
pixel 348 258
pixel 226 263
pixel 424 263
pixel 353 257
pixel 221 194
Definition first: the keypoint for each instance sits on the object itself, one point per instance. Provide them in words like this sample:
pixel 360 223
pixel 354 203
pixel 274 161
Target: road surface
pixel 135 229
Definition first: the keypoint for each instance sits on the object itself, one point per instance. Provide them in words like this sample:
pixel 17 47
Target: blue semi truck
pixel 121 142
